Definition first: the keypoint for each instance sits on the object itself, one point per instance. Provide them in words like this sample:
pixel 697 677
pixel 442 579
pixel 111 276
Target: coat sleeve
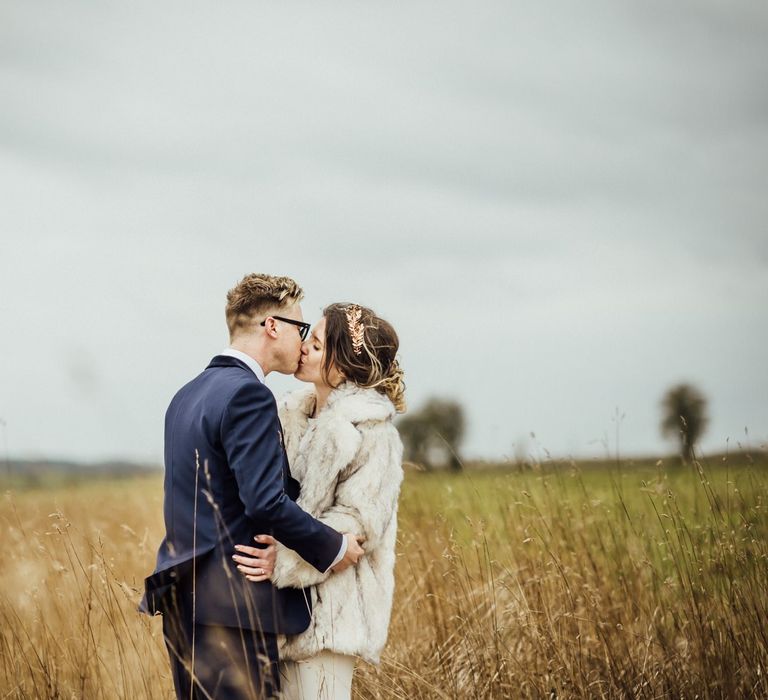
pixel 365 501
pixel 250 434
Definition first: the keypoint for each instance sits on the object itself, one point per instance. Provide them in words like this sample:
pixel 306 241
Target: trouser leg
pixel 236 664
pixel 325 676
pixel 210 661
pixel 177 631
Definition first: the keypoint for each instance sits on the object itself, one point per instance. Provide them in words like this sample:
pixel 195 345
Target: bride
pixel 345 451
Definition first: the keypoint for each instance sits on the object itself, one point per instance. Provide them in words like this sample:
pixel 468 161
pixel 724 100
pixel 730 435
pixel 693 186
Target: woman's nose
pixel 305 348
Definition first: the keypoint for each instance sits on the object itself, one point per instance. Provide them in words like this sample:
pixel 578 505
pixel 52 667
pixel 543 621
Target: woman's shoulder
pixel 296 404
pixel 360 405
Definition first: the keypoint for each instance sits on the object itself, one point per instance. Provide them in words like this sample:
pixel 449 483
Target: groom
pixel 227 479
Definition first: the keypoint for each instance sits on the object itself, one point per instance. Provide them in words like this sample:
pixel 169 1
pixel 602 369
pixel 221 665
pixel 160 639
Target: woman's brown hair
pixel 363 347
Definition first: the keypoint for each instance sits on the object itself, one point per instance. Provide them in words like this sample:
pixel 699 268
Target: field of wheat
pixel 544 581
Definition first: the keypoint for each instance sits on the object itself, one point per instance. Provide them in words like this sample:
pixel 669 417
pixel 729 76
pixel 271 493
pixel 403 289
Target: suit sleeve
pixel 365 501
pixel 250 434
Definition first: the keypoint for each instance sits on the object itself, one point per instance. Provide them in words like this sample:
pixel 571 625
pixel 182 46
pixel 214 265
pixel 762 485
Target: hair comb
pixel 355 327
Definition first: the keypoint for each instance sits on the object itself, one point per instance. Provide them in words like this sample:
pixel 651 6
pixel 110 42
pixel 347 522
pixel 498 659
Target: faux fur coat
pixel 349 463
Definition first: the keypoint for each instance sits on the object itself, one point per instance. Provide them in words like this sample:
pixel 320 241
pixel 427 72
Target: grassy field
pixel 557 580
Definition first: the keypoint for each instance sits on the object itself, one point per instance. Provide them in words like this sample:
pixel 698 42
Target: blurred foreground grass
pixel 559 580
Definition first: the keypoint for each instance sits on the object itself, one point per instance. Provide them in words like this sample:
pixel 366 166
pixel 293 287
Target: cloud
pixel 561 208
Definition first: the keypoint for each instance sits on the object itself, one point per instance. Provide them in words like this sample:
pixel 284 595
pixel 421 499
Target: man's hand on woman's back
pixel 353 554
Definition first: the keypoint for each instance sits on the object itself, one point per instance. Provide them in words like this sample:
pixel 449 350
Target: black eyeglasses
pixel 303 327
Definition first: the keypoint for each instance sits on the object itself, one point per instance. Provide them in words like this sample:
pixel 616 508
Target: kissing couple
pixel 276 573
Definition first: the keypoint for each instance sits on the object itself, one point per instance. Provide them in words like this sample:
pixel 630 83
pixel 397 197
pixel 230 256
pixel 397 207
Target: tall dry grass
pixel 555 581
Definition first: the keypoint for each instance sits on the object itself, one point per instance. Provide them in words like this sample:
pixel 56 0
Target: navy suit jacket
pixel 226 480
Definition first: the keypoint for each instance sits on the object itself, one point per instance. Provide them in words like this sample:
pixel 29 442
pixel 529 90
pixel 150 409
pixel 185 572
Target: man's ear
pixel 270 327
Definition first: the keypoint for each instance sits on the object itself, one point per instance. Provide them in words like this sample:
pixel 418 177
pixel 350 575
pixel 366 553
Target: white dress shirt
pixel 256 368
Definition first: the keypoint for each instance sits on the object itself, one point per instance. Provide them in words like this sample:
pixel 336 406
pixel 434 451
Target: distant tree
pixel 685 417
pixel 432 435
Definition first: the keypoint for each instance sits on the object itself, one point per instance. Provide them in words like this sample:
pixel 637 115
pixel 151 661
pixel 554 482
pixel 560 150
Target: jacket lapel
pixel 292 487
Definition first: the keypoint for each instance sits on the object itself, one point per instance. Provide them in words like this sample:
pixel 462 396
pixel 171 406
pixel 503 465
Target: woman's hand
pixel 259 564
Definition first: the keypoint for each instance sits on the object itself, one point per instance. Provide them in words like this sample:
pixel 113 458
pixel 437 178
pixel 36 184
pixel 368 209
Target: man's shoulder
pixel 241 392
pixel 234 382
pixel 223 382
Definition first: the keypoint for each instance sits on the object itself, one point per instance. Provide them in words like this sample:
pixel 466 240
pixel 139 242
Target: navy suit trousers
pixel 215 661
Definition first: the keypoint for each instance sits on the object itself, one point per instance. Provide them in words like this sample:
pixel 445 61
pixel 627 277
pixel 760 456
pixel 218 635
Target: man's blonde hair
pixel 256 295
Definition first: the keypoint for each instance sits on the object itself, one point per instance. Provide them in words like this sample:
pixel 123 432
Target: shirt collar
pixel 254 366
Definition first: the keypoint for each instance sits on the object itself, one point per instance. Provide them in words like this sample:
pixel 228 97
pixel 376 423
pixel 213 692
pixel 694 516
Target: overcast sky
pixel 561 207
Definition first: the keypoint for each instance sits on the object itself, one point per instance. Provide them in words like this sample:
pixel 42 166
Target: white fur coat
pixel 349 463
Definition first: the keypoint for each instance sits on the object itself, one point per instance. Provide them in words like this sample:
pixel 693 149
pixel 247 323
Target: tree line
pixel 432 435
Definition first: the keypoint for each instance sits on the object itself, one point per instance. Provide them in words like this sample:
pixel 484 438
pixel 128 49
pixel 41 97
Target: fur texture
pixel 349 463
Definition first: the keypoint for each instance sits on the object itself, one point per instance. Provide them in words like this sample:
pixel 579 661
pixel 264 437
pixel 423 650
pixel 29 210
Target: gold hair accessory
pixel 356 327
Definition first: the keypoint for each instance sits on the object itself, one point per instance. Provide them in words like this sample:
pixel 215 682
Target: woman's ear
pixel 336 377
